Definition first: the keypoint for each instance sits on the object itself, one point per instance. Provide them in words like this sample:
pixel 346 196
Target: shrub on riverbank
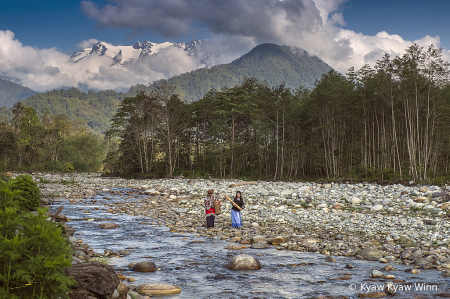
pixel 33 253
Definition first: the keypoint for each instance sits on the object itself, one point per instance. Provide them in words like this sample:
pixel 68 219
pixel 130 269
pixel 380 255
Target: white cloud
pixel 236 26
pixel 87 43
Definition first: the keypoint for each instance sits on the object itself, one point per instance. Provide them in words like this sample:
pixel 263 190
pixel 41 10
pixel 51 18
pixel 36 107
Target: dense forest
pixel 48 143
pixel 95 109
pixel 389 122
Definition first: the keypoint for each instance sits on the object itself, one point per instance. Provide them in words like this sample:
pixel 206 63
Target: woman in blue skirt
pixel 238 205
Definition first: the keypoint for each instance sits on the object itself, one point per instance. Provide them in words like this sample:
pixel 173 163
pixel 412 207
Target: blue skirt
pixel 236 219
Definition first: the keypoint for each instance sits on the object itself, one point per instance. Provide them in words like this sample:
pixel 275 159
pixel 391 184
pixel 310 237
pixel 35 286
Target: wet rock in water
pixel 371 254
pixel 260 245
pixel 388 268
pixel 443 295
pixel 372 295
pixel 95 277
pixel 144 267
pixel 108 225
pixel 244 262
pixel 235 247
pixel 157 289
pixel 349 266
pixel 220 276
pixel 376 274
pixel 123 252
pixel 330 259
pixel 121 276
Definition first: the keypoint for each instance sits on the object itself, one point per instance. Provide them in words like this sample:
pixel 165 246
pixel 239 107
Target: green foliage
pixel 33 253
pixel 29 192
pixel 51 143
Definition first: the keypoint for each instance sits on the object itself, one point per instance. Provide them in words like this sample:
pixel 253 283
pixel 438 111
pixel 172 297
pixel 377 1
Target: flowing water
pixel 199 269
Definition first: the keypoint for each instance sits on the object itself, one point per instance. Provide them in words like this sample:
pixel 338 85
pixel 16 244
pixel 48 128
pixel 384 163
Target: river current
pixel 199 269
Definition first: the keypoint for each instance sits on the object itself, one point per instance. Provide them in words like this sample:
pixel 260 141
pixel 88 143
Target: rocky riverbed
pixel 392 224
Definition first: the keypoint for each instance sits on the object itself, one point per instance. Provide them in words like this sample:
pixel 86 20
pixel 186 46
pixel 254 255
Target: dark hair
pixel 240 194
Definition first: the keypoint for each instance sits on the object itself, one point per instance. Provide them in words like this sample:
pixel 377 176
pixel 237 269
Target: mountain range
pixel 271 63
pixel 127 55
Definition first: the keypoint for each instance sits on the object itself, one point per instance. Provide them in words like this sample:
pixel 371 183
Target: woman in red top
pixel 209 209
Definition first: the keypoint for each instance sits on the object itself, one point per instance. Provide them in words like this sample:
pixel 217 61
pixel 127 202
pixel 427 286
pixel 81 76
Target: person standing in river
pixel 209 209
pixel 238 206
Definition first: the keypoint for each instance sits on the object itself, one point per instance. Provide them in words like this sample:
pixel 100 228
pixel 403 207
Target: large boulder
pixel 96 277
pixel 244 262
pixel 371 254
pixel 157 289
pixel 144 267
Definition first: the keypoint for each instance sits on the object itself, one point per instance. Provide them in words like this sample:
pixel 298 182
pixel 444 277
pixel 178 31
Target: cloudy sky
pixel 37 38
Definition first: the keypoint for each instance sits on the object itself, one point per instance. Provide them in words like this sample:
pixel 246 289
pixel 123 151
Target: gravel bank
pixel 393 223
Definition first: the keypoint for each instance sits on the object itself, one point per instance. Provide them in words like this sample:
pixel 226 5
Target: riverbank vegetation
pixel 389 122
pixel 48 143
pixel 33 251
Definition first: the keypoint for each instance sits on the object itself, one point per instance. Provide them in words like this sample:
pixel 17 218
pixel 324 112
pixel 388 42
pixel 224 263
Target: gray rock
pixel 260 245
pixel 96 277
pixel 429 222
pixel 424 263
pixel 259 238
pixel 371 254
pixel 244 262
pixel 144 267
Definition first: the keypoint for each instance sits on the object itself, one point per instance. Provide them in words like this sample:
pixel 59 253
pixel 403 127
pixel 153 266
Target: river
pixel 199 269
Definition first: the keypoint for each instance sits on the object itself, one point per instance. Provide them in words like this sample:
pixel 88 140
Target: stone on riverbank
pixel 158 289
pixel 244 262
pixel 371 254
pixel 95 277
pixel 123 290
pixel 144 267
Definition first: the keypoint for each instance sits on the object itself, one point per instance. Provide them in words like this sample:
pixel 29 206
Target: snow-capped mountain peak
pixel 130 54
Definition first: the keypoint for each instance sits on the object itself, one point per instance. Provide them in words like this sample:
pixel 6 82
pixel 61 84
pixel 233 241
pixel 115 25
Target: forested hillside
pixel 50 142
pixel 93 108
pixel 11 93
pixel 266 62
pixel 390 122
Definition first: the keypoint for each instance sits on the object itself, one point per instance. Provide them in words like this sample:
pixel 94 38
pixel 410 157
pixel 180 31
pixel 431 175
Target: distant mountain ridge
pixel 126 55
pixel 11 93
pixel 266 62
